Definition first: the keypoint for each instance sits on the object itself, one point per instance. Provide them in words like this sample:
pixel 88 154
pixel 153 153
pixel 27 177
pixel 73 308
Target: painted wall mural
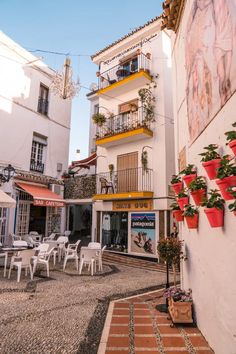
pixel 210 54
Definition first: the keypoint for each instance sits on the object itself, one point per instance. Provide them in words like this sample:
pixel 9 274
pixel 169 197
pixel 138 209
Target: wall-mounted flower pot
pixel 178 215
pixel 192 221
pixel 198 196
pixel 215 216
pixel 177 187
pixel 182 202
pixel 224 184
pixel 211 167
pixel 189 178
pixel 232 145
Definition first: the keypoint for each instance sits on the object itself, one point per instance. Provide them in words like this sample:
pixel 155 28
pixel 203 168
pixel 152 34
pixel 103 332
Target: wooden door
pixel 127 172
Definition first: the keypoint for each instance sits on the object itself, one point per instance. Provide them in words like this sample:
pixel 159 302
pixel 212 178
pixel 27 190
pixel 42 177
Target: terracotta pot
pixel 189 178
pixel 182 202
pixel 198 196
pixel 232 145
pixel 178 215
pixel 177 187
pixel 211 167
pixel 224 184
pixel 215 216
pixel 192 221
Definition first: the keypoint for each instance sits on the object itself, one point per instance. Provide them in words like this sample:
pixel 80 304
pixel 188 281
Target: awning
pixel 85 163
pixel 42 196
pixel 6 201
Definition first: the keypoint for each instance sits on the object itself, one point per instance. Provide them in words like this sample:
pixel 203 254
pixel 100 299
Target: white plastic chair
pixel 61 248
pixel 96 245
pixel 99 258
pixel 49 238
pixel 43 258
pixel 20 243
pixel 88 257
pixel 22 260
pixel 72 253
pixel 5 256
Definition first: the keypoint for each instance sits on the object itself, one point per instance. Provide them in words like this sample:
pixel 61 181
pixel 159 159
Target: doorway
pixel 37 219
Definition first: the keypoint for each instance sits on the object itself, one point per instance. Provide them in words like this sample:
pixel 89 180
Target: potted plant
pixel 198 189
pixel 231 138
pixel 176 183
pixel 191 216
pixel 210 160
pixel 99 119
pixel 226 177
pixel 144 160
pixel 214 208
pixel 111 169
pixel 232 206
pixel 189 174
pixel 180 304
pixel 182 199
pixel 177 212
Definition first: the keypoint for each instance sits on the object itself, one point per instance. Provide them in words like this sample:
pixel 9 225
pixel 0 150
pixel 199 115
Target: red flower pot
pixel 215 216
pixel 232 145
pixel 224 184
pixel 189 178
pixel 177 187
pixel 198 196
pixel 182 202
pixel 211 167
pixel 192 221
pixel 178 215
pixel 235 213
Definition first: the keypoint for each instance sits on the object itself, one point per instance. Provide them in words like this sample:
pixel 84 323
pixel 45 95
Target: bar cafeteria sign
pixel 134 205
pixel 48 203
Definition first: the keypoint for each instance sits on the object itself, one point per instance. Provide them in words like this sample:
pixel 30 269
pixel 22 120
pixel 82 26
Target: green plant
pixel 175 179
pixel 111 169
pixel 231 135
pixel 144 160
pixel 182 194
pixel 210 153
pixel 175 206
pixel 226 168
pixel 147 100
pixel 190 210
pixel 215 200
pixel 99 119
pixel 198 183
pixel 189 170
pixel 232 206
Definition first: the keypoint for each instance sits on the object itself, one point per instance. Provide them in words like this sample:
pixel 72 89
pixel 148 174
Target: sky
pixel 77 27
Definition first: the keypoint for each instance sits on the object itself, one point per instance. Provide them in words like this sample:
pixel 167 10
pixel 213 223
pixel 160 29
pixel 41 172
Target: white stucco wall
pixel 210 270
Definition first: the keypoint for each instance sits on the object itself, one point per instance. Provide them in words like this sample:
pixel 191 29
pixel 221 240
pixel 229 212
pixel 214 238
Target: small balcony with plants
pixel 129 74
pixel 133 183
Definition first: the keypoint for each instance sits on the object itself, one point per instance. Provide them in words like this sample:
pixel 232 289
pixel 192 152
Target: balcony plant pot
pixel 178 215
pixel 192 221
pixel 224 184
pixel 211 167
pixel 189 178
pixel 182 202
pixel 198 196
pixel 177 187
pixel 232 145
pixel 215 216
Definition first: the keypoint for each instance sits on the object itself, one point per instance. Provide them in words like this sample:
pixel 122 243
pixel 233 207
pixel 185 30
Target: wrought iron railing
pixel 43 106
pixel 124 122
pixel 36 166
pixel 121 71
pixel 124 181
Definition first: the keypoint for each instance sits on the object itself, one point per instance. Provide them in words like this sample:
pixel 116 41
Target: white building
pixel 204 82
pixel 135 146
pixel 34 139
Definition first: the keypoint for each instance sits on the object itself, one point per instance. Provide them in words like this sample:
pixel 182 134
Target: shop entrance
pixel 37 220
pixel 115 231
pixel 80 222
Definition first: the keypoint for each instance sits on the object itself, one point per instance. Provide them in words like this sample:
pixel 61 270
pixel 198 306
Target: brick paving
pixel 135 326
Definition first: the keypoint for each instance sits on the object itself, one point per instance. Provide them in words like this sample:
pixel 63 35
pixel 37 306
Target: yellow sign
pixel 134 205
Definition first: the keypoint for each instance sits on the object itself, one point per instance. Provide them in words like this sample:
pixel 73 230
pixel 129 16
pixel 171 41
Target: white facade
pixel 211 266
pixel 23 119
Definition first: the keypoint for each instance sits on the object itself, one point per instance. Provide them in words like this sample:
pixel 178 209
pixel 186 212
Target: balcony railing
pixel 36 166
pixel 123 123
pixel 43 106
pixel 125 181
pixel 121 71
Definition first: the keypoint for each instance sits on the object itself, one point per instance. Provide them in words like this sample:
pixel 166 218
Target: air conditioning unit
pixel 56 188
pixel 59 167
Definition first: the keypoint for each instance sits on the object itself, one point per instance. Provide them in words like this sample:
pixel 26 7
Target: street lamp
pixel 7 173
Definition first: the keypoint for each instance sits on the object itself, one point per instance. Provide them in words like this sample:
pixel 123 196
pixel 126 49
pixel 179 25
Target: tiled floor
pixel 134 326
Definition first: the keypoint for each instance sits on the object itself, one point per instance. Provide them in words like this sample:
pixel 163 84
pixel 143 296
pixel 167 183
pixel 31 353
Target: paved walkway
pixel 134 326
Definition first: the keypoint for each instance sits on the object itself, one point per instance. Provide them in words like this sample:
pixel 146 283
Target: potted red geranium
pixel 226 177
pixel 198 189
pixel 189 174
pixel 231 138
pixel 177 212
pixel 191 216
pixel 176 183
pixel 210 160
pixel 232 206
pixel 214 208
pixel 182 199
